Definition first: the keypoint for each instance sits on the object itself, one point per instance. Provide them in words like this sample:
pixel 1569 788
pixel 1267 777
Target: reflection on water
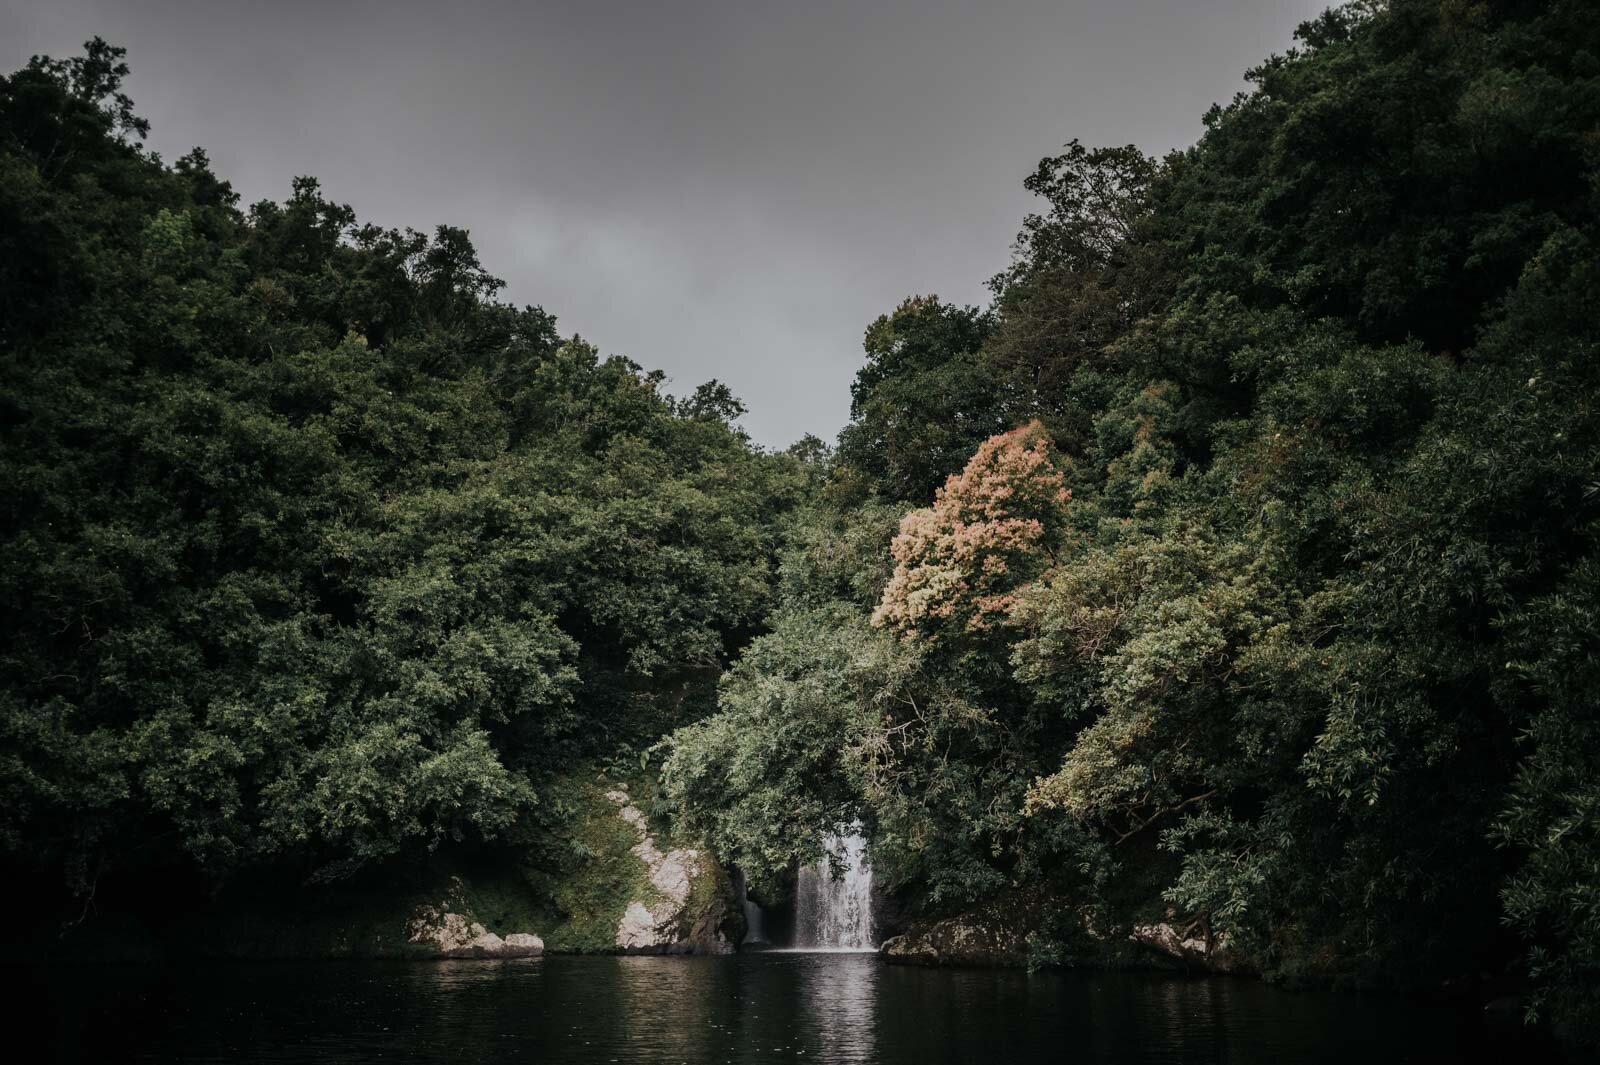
pixel 747 1009
pixel 841 1001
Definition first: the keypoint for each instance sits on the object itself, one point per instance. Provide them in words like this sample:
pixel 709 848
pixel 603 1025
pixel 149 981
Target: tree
pixel 923 400
pixel 318 554
pixel 990 530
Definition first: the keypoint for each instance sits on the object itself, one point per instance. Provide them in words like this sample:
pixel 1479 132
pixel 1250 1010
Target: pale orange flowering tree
pixel 991 529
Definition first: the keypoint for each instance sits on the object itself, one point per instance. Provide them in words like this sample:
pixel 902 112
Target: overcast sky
pixel 718 189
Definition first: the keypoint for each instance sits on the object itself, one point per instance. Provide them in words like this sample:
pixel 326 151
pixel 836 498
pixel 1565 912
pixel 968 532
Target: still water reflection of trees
pixel 807 1008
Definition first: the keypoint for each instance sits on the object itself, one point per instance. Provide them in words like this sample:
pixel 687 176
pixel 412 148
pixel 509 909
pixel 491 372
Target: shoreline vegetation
pixel 1223 595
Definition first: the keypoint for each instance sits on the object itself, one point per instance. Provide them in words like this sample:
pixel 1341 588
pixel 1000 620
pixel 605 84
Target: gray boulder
pixel 452 935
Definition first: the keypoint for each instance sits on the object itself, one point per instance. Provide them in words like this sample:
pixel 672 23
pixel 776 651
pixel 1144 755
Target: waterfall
pixel 755 923
pixel 755 919
pixel 835 913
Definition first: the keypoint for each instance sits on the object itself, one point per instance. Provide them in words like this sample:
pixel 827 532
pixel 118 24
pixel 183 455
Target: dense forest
pixel 1237 564
pixel 315 553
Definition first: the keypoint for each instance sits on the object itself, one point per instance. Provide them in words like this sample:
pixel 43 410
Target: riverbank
pixel 599 873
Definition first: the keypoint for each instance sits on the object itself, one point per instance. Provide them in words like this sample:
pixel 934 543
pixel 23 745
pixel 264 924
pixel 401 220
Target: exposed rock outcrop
pixel 1191 946
pixel 998 933
pixel 691 908
pixel 1022 928
pixel 962 940
pixel 456 936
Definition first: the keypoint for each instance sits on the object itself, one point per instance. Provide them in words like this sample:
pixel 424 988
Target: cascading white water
pixel 835 913
pixel 755 923
pixel 755 918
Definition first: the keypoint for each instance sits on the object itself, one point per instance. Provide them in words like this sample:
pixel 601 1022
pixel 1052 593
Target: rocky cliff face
pixel 691 911
pixel 609 879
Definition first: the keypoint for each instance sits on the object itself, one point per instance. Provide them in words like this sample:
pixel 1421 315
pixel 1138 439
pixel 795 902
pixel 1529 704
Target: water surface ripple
pixel 769 1007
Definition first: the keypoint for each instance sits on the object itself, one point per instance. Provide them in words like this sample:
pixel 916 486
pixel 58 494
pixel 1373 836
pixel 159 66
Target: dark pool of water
pixel 806 1008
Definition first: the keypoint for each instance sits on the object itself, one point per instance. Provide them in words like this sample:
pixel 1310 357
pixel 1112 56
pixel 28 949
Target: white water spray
pixel 835 913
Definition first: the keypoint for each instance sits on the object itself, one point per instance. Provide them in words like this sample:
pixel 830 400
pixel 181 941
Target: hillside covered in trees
pixel 1237 566
pixel 314 553
pixel 1238 563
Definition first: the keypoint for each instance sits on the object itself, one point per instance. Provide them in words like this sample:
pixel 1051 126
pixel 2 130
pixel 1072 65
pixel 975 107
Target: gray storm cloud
pixel 728 190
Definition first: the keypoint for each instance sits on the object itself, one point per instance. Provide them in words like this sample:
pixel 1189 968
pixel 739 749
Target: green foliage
pixel 923 401
pixel 577 856
pixel 1320 617
pixel 828 720
pixel 768 775
pixel 315 553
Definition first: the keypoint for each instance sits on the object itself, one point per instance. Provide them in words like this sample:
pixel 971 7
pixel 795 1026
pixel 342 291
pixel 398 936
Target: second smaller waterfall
pixel 756 923
pixel 755 918
pixel 835 913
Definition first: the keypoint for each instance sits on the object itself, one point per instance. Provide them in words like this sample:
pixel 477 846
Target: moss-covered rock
pixel 962 940
pixel 999 933
pixel 1193 947
pixel 455 935
pixel 619 880
pixel 591 872
pixel 1038 929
